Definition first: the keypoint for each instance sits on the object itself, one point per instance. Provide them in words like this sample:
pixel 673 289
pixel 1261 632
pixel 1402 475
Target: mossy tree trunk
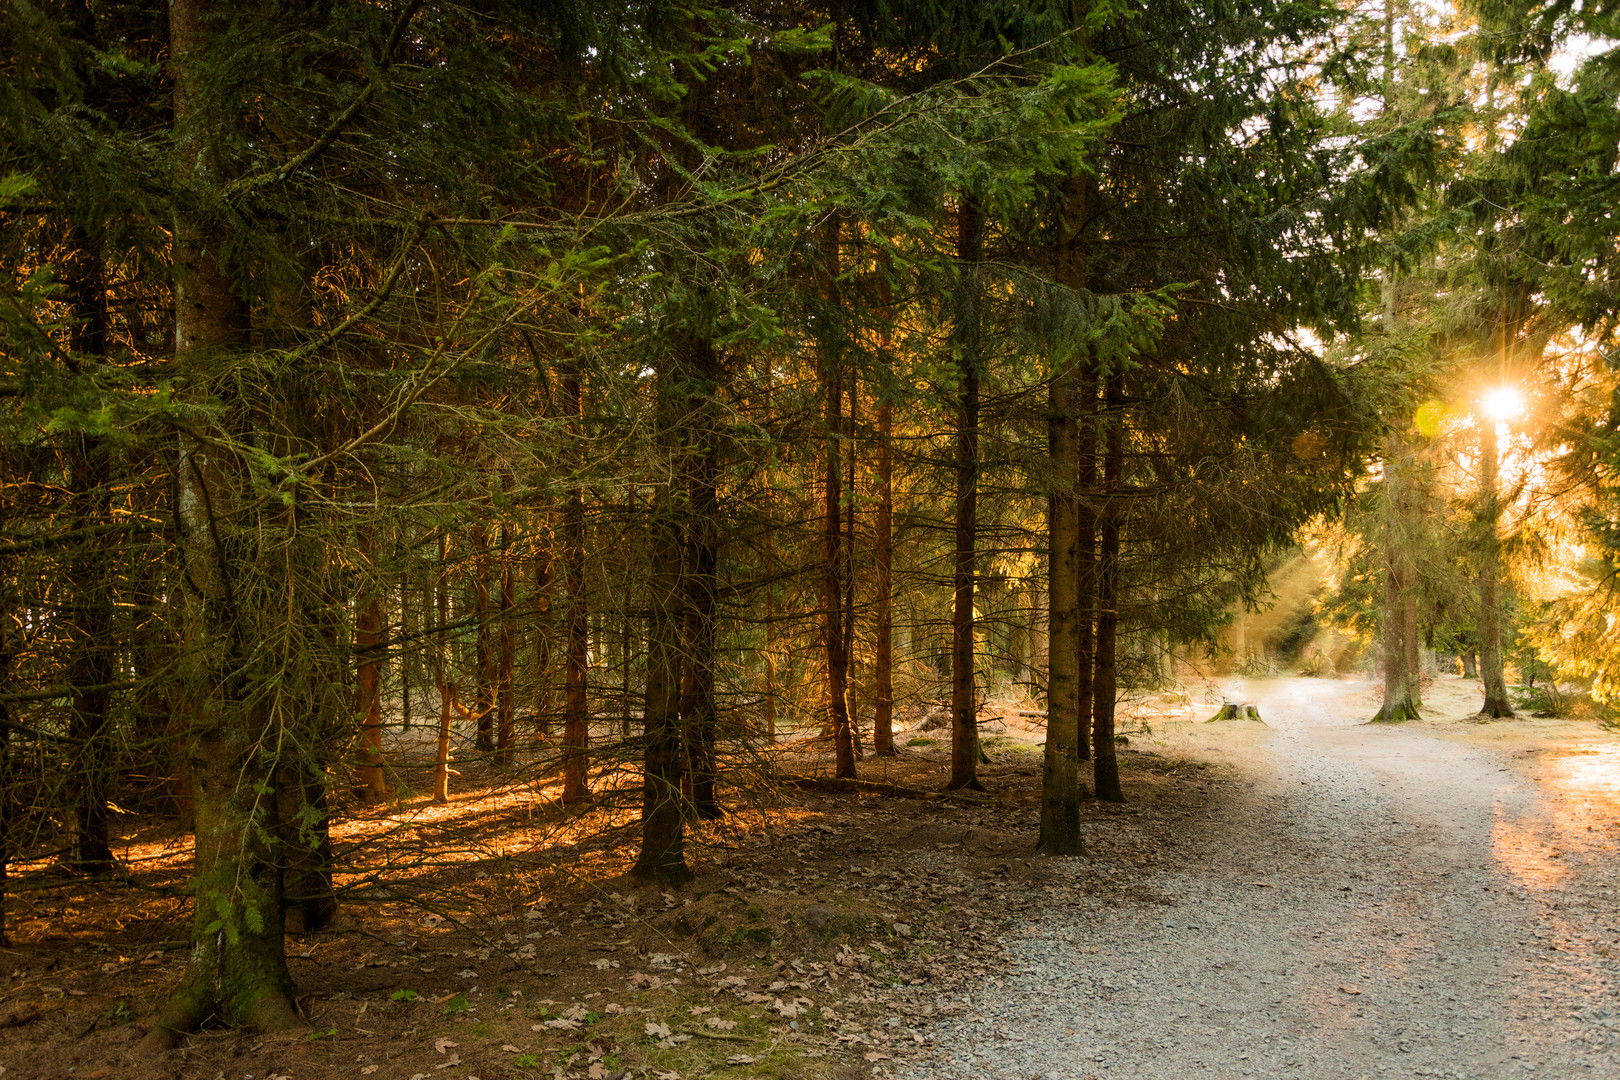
pixel 237 968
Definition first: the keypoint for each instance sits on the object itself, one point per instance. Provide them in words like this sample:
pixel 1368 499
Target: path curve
pixel 1380 902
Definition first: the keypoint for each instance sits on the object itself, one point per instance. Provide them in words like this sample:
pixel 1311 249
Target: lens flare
pixel 1504 403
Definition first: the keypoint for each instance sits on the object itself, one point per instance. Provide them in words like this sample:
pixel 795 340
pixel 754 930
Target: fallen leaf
pixel 875 1056
pixel 441 1045
pixel 453 1059
pixel 367 1070
pixel 699 1010
pixel 657 1030
pixel 741 1059
pixel 1349 990
pixel 1261 884
pixel 510 1049
pixel 721 1025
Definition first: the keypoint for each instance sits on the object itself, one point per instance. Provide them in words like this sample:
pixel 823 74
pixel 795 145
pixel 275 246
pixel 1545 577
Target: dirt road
pixel 1380 902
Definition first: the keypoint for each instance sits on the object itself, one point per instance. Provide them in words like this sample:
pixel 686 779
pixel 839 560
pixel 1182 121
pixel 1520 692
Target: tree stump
pixel 1233 710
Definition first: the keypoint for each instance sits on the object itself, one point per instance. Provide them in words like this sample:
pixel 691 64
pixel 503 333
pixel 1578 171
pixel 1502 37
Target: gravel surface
pixel 1379 903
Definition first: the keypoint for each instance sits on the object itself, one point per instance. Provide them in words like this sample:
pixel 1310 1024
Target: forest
pixel 462 464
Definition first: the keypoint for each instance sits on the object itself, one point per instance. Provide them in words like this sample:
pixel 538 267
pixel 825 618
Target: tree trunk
pixel 90 660
pixel 849 560
pixel 7 655
pixel 770 566
pixel 309 901
pixel 1085 556
pixel 483 645
pixel 442 680
pixel 832 556
pixel 1400 696
pixel 663 827
pixel 883 585
pixel 964 703
pixel 1060 782
pixel 237 968
pixel 368 640
pixel 700 713
pixel 505 705
pixel 1497 705
pixel 541 701
pixel 1470 663
pixel 1105 763
pixel 576 717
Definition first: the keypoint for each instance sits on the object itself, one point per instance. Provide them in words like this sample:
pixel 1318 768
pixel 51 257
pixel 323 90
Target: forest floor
pixel 1311 897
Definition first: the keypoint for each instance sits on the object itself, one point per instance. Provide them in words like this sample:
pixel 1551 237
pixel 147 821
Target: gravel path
pixel 1380 903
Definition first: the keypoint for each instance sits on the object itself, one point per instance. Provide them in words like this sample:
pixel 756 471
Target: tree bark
pixel 1400 696
pixel 368 640
pixel 90 660
pixel 1105 762
pixel 965 343
pixel 483 645
pixel 699 712
pixel 1085 555
pixel 1060 790
pixel 506 638
pixel 883 586
pixel 542 644
pixel 832 556
pixel 662 857
pixel 1497 705
pixel 237 968
pixel 442 679
pixel 576 715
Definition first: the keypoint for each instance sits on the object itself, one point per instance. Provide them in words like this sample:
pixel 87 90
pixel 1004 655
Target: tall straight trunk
pixel 625 646
pixel 237 969
pixel 483 645
pixel 832 555
pixel 1060 790
pixel 848 606
pixel 1412 639
pixel 90 661
pixel 965 344
pixel 883 586
pixel 1105 763
pixel 442 678
pixel 699 710
pixel 770 566
pixel 368 640
pixel 1400 677
pixel 576 718
pixel 404 658
pixel 7 654
pixel 1496 704
pixel 541 702
pixel 506 638
pixel 1085 555
pixel 663 818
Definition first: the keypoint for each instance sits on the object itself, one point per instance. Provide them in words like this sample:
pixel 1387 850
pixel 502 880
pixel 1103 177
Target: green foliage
pixel 403 995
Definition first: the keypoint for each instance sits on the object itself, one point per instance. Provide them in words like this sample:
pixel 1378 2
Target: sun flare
pixel 1504 403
